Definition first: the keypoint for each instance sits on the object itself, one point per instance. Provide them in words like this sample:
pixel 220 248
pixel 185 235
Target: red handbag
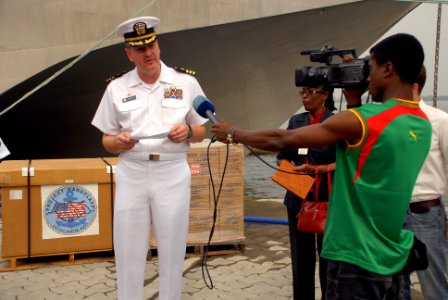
pixel 313 214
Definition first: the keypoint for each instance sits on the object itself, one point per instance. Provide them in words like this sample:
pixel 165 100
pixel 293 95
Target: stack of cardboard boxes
pixel 65 206
pixel 207 165
pixel 54 207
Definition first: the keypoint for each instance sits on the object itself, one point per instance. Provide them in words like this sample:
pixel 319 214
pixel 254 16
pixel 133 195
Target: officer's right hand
pixel 123 141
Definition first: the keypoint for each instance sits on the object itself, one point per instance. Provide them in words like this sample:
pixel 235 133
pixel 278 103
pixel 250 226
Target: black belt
pixel 422 207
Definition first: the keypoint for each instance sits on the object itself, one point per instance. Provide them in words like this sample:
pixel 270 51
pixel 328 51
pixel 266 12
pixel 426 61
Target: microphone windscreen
pixel 201 105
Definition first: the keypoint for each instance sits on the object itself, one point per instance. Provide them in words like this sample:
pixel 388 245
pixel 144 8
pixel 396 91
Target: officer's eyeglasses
pixel 310 92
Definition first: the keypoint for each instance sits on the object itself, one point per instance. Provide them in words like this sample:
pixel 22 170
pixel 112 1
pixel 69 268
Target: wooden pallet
pixel 220 249
pixel 19 263
pixel 225 248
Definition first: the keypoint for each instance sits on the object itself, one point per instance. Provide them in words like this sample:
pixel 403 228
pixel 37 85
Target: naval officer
pixel 152 177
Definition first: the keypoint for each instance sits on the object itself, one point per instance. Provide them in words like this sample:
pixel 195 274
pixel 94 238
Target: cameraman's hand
pixel 352 95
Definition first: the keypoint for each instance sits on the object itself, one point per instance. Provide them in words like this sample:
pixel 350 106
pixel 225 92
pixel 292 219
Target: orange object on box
pixel 298 184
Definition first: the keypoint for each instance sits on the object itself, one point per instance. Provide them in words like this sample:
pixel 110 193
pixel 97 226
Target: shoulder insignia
pixel 109 79
pixel 186 71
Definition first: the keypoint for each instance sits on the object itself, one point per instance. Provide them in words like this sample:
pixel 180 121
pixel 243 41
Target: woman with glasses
pixel 319 104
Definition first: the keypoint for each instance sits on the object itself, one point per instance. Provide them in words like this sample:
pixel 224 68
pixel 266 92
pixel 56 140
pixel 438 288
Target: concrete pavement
pixel 262 271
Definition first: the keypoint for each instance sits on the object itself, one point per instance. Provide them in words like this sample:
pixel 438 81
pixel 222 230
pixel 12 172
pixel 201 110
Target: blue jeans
pixel 348 281
pixel 430 228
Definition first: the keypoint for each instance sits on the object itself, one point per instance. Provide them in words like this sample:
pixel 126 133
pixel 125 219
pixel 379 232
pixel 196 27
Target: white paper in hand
pixel 3 150
pixel 162 135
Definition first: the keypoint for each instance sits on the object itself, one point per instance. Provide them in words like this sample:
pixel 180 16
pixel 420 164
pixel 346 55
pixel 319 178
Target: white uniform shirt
pixel 432 181
pixel 129 104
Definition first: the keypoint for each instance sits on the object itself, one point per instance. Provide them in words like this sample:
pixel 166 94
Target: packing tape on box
pixel 25 172
pixel 108 169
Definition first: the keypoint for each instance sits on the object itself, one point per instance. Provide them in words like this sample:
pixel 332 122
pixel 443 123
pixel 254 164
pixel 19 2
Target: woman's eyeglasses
pixel 309 92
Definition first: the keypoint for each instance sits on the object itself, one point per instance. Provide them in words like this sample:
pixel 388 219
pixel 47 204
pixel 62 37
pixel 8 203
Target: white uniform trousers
pixel 157 193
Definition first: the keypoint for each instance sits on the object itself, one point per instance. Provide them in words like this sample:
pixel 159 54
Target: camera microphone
pixel 205 108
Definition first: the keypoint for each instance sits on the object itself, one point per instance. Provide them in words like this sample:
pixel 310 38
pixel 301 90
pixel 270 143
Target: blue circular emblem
pixel 70 210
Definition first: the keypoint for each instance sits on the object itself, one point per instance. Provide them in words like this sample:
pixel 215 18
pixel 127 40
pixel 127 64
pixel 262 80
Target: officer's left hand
pixel 178 133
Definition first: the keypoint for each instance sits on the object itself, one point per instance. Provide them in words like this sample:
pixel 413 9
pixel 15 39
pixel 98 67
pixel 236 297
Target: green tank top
pixel 373 185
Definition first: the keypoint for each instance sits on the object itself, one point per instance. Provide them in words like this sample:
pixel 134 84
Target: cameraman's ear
pixel 389 69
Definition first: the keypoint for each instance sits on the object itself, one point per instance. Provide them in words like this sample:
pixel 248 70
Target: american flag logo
pixel 71 210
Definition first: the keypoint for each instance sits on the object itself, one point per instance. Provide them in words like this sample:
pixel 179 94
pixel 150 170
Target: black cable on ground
pixel 215 213
pixel 205 272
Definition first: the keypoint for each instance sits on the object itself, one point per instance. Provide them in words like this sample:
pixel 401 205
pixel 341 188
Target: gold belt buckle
pixel 154 157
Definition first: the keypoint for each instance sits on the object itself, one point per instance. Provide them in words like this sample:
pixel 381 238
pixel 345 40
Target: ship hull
pixel 246 68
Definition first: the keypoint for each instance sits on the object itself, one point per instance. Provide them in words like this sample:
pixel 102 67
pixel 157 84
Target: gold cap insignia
pixel 140 28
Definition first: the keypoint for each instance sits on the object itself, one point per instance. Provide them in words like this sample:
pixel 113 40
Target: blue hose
pixel 265 220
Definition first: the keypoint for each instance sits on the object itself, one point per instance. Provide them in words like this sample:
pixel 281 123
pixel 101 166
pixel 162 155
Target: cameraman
pixel 319 104
pixel 380 151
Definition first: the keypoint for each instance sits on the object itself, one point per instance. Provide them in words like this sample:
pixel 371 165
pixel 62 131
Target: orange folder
pixel 299 184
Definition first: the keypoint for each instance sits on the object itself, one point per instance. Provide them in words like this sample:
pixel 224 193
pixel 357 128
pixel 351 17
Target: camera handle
pixel 325 55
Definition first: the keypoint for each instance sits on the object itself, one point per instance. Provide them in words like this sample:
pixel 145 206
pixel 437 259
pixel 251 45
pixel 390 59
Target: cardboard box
pixel 198 160
pixel 58 206
pixel 5 179
pixel 229 226
pixel 230 210
pixel 201 155
pixel 235 159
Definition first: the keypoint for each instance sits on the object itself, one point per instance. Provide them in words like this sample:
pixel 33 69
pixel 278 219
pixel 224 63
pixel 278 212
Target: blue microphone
pixel 205 108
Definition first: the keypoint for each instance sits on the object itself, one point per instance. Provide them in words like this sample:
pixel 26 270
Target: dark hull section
pixel 54 122
pixel 245 68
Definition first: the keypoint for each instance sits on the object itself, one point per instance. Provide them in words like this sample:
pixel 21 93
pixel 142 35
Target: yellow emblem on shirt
pixel 414 136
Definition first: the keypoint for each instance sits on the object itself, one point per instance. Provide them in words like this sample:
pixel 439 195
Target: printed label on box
pixel 15 195
pixel 69 210
pixel 195 169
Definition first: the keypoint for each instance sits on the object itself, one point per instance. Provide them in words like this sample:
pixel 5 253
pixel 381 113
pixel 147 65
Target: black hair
pixel 404 51
pixel 329 101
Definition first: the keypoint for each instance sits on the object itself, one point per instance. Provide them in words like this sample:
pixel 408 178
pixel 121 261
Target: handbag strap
pixel 317 183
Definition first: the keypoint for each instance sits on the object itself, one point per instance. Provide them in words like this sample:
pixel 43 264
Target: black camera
pixel 352 74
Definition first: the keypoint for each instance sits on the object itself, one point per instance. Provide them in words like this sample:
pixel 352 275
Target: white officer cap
pixel 138 31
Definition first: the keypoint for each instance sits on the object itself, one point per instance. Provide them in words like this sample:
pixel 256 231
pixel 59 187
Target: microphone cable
pixel 204 267
pixel 278 169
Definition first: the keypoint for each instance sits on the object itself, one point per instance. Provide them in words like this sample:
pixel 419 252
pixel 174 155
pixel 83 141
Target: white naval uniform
pixel 150 192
